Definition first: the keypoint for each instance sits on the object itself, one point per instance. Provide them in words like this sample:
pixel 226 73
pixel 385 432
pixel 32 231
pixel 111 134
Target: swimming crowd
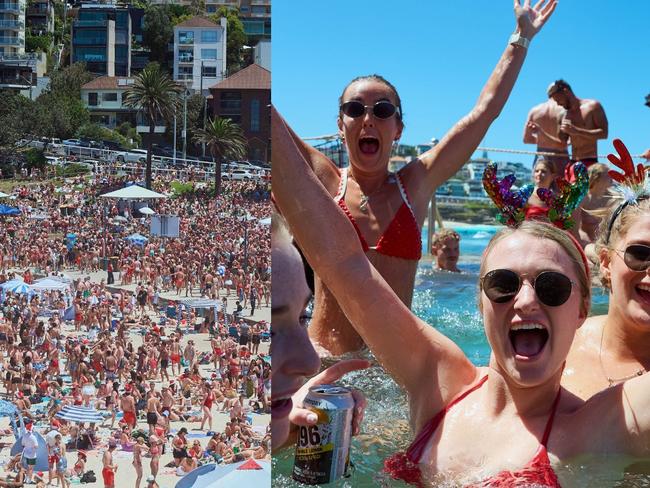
pixel 127 347
pixel 526 418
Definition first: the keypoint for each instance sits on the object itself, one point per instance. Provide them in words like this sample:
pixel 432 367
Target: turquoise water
pixel 447 301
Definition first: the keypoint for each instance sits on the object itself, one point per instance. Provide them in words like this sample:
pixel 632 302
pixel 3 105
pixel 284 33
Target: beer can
pixel 323 449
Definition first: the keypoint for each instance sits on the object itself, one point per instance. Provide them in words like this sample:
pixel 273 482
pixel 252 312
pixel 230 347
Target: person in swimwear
pixel 445 249
pixel 543 129
pixel 138 449
pixel 543 177
pixel 109 468
pixel 598 198
pixel 387 210
pixel 534 295
pixel 584 122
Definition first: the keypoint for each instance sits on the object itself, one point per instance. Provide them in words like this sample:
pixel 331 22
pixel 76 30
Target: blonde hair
pixel 596 171
pixel 621 225
pixel 444 234
pixel 543 230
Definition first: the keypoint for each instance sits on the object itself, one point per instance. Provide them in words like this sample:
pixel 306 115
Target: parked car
pixel 55 160
pixel 133 156
pixel 72 142
pixel 240 175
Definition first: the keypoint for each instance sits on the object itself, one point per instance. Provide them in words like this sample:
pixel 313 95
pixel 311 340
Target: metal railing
pixel 12 41
pixel 13 7
pixel 12 24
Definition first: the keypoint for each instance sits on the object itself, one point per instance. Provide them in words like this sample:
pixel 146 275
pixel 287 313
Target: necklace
pixel 365 198
pixel 613 381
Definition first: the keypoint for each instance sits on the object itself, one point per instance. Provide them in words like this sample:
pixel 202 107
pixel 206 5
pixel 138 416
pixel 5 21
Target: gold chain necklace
pixel 613 381
pixel 363 204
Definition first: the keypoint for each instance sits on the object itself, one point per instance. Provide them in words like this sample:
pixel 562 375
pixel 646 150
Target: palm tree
pixel 156 95
pixel 225 139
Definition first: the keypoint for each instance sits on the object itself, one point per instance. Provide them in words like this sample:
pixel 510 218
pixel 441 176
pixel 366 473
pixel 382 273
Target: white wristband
pixel 517 39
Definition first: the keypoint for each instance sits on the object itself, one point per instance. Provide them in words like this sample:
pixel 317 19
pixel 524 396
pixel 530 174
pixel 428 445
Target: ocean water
pixel 447 301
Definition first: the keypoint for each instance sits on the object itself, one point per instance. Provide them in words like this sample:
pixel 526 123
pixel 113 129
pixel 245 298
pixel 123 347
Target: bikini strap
pixel 343 184
pixel 402 191
pixel 549 423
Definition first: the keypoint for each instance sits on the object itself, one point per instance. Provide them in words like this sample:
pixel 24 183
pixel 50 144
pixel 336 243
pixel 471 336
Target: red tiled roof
pixel 253 77
pixel 107 83
pixel 197 21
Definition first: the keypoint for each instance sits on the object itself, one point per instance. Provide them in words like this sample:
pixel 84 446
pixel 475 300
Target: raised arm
pixel 419 358
pixel 445 159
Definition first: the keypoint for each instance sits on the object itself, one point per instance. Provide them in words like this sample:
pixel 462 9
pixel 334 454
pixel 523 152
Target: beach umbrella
pixel 252 472
pixel 7 210
pixel 146 211
pixel 133 192
pixel 41 452
pixel 137 239
pixel 120 218
pixel 74 413
pixel 17 287
pixel 7 409
pixel 266 222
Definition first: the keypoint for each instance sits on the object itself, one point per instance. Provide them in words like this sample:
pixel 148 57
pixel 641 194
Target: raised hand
pixel 531 19
pixel 624 161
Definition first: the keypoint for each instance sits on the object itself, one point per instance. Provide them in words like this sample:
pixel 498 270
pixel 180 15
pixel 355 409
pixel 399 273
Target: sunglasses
pixel 502 285
pixel 381 110
pixel 636 257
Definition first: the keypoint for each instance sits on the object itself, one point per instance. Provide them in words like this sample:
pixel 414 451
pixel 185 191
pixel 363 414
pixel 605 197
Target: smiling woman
pixel 387 210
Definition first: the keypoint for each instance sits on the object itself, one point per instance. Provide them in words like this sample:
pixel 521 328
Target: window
pixel 210 71
pixel 185 55
pixel 255 115
pixel 230 103
pixel 210 36
pixel 186 37
pixel 92 99
pixel 208 54
pixel 185 73
pixel 109 97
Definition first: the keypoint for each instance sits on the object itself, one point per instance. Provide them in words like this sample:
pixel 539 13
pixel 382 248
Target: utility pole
pixel 205 107
pixel 185 125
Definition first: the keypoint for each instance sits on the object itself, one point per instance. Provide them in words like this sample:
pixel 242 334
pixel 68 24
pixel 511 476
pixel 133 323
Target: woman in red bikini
pixel 208 400
pixel 388 209
pixel 543 177
pixel 507 424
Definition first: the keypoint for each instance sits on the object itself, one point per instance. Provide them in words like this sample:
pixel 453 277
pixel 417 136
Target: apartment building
pixel 200 52
pixel 104 98
pixel 245 98
pixel 40 17
pixel 101 37
pixel 12 27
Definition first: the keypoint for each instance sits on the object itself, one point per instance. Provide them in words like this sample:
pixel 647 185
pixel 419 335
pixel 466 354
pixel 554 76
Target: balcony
pixel 12 7
pixel 37 11
pixel 12 41
pixel 185 77
pixel 90 23
pixel 186 59
pixel 12 24
pixel 261 2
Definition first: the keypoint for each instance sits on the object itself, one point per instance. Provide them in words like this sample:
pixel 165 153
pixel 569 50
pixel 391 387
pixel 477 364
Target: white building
pixel 200 53
pixel 262 54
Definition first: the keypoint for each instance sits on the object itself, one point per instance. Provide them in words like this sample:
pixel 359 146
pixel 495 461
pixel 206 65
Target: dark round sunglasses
pixel 382 109
pixel 502 285
pixel 636 257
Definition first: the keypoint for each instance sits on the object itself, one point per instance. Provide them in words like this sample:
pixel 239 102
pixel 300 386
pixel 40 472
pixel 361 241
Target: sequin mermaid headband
pixel 632 186
pixel 511 204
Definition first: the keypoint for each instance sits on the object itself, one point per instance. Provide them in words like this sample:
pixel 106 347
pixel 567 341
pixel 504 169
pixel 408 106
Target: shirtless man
pixel 127 404
pixel 153 410
pixel 543 129
pixel 108 471
pixel 584 122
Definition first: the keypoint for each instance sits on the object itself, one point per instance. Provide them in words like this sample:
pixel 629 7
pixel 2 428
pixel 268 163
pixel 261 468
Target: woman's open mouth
pixel 281 408
pixel 528 340
pixel 369 145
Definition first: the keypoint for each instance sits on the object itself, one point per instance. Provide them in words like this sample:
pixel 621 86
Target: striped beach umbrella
pixel 74 413
pixel 18 287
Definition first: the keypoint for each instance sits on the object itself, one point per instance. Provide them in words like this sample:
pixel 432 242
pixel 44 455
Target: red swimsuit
pixel 537 472
pixel 402 237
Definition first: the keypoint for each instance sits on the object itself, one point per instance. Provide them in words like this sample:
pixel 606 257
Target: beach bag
pixel 88 477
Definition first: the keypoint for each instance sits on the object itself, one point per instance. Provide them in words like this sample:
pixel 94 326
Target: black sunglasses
pixel 382 109
pixel 636 257
pixel 502 285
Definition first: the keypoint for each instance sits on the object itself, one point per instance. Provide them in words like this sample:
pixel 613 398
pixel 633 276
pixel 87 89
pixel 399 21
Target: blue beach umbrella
pixel 7 210
pixel 73 413
pixel 18 287
pixel 252 472
pixel 137 239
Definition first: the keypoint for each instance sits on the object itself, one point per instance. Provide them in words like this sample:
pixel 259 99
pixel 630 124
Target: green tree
pixel 197 7
pixel 69 80
pixel 41 42
pixel 16 117
pixel 224 139
pixel 157 32
pixel 156 95
pixel 236 37
pixel 59 115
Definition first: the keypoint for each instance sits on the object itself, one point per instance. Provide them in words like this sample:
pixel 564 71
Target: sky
pixel 440 54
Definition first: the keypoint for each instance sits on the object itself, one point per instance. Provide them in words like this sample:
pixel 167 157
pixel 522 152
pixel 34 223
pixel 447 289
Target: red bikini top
pixel 538 472
pixel 402 237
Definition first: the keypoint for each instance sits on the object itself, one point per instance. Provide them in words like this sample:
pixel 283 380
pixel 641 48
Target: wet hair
pixel 596 171
pixel 543 230
pixel 558 86
pixel 443 235
pixel 384 81
pixel 616 224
